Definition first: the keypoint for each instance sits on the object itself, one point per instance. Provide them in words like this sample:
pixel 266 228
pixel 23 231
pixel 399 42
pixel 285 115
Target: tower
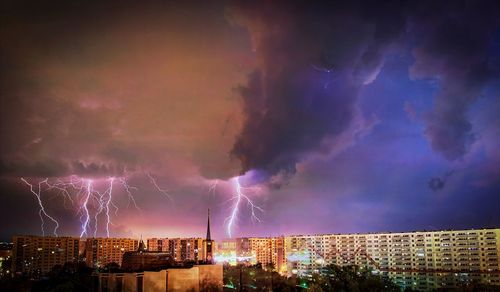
pixel 208 226
pixel 208 243
pixel 142 246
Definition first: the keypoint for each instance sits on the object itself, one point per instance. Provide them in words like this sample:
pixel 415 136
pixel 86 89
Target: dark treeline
pixel 331 278
pixel 78 277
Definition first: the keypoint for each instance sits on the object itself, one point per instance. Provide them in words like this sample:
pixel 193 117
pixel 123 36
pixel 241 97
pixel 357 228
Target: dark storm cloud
pixel 42 124
pixel 454 50
pixel 313 60
pixel 96 169
pixel 438 183
pixel 39 168
pixel 98 89
pixel 60 168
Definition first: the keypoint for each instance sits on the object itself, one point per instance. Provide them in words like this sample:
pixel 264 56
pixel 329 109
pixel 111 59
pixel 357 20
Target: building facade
pixel 195 278
pixel 267 251
pixel 180 249
pixel 157 244
pixel 185 249
pixel 5 258
pixel 424 260
pixel 39 254
pixel 243 246
pixel 102 251
pixel 420 260
pixel 227 245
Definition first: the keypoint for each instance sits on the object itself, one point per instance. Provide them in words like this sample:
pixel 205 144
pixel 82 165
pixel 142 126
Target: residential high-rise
pixel 5 258
pixel 180 249
pixel 420 260
pixel 262 249
pixel 102 251
pixel 242 246
pixel 186 249
pixel 39 254
pixel 267 251
pixel 157 244
pixel 227 245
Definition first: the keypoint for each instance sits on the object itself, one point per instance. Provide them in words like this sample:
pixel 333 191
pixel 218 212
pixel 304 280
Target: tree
pixel 112 267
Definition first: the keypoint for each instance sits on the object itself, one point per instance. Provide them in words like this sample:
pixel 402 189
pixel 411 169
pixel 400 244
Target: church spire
pixel 208 242
pixel 208 226
pixel 142 246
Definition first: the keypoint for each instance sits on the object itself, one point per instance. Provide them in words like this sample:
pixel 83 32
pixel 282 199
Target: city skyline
pixel 422 261
pixel 281 118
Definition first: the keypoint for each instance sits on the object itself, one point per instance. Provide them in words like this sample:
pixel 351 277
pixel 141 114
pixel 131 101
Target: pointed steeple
pixel 208 242
pixel 142 246
pixel 208 226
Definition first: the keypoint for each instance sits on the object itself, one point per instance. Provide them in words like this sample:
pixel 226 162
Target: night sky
pixel 339 117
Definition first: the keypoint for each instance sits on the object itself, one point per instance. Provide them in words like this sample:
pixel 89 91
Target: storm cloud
pixel 314 58
pixel 437 183
pixel 331 109
pixel 455 50
pixel 303 94
pixel 101 92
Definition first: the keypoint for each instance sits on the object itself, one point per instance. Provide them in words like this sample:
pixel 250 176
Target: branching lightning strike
pixel 128 189
pixel 94 204
pixel 42 212
pixel 238 197
pixel 90 201
pixel 213 187
pixel 153 181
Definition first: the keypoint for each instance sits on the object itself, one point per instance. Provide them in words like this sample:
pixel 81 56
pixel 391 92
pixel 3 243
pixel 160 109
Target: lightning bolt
pixel 108 202
pixel 153 181
pixel 60 186
pixel 104 200
pixel 213 187
pixel 238 197
pixel 86 222
pixel 92 204
pixel 128 189
pixel 42 211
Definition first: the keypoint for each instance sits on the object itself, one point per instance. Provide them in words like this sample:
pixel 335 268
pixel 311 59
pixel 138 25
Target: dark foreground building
pixel 195 278
pixel 144 270
pixel 37 255
pixel 142 259
pixel 134 261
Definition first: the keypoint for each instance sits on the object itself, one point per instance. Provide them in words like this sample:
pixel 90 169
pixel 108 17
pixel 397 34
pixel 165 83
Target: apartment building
pixel 186 249
pixel 181 249
pixel 37 255
pixel 243 246
pixel 268 250
pixel 157 244
pixel 421 260
pixel 102 251
pixel 227 245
